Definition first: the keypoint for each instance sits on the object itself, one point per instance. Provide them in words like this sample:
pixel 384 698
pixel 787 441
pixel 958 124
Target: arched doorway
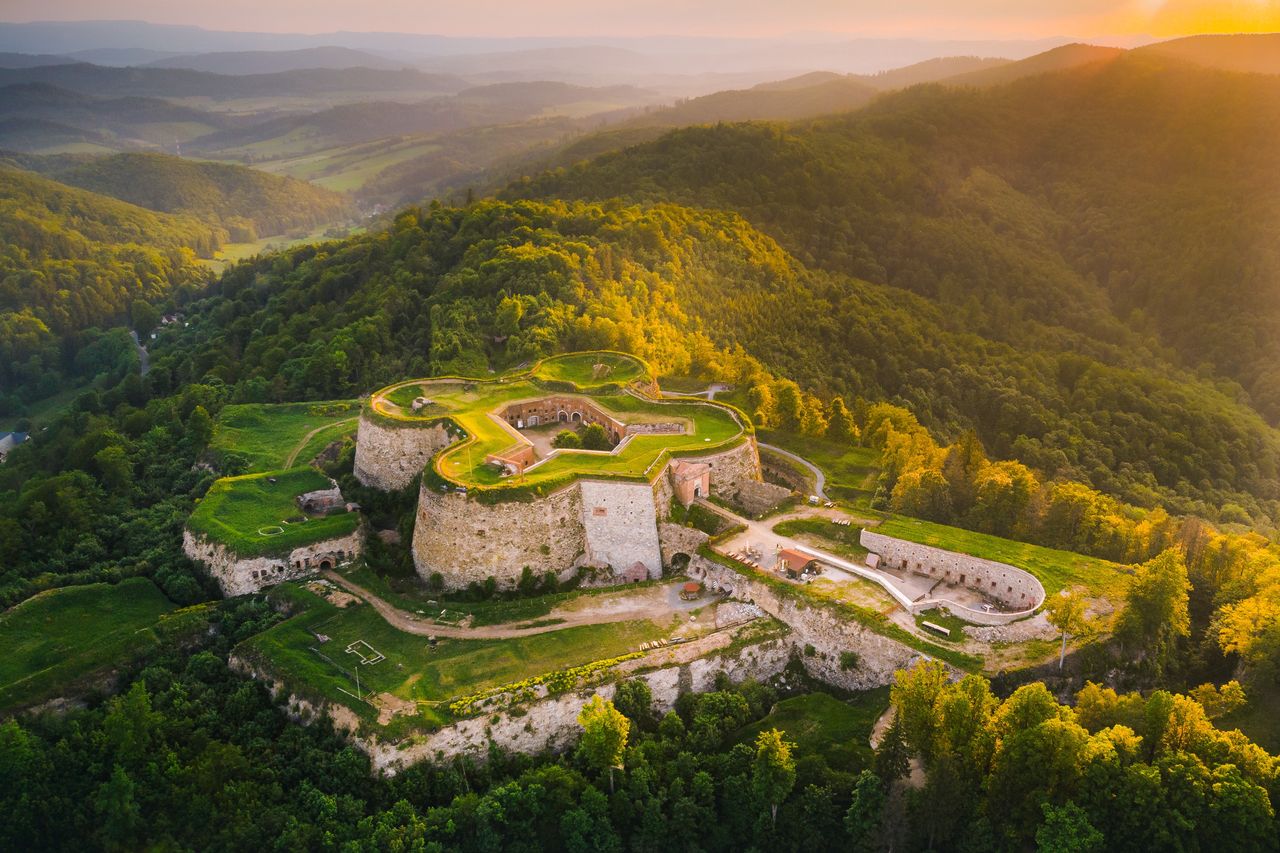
pixel 679 562
pixel 533 420
pixel 577 417
pixel 325 565
pixel 562 417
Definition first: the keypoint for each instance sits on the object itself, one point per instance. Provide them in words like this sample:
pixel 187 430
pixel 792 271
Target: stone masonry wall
pixel 732 469
pixel 465 540
pixel 621 526
pixel 1014 588
pixel 823 628
pixel 242 575
pixel 388 458
pixel 677 539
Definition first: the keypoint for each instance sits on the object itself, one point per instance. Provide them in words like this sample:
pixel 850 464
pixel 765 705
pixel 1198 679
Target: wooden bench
pixel 937 629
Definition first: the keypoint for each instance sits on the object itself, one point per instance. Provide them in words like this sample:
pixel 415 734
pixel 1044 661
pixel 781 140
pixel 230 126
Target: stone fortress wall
pixel 242 575
pixel 587 523
pixel 388 457
pixel 1017 592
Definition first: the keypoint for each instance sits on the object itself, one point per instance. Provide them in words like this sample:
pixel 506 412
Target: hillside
pixel 770 102
pixel 246 202
pixel 274 61
pixel 1059 59
pixel 1254 53
pixel 1021 213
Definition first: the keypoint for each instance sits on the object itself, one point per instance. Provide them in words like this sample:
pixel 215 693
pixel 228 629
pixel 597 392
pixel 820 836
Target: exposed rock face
pixel 388 458
pixel 242 575
pixel 825 629
pixel 678 539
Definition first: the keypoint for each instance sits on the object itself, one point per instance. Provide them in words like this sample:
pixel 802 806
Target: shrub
pixel 849 660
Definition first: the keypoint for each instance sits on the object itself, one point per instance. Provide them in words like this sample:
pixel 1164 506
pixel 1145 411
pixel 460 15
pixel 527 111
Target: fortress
pixel 497 496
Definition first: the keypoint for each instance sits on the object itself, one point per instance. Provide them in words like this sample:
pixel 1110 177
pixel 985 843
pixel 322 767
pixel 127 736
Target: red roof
pixel 793 560
pixel 692 586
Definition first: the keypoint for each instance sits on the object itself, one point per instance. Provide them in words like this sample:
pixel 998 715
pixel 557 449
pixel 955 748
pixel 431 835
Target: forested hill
pixel 688 289
pixel 71 259
pixel 246 202
pixel 1130 199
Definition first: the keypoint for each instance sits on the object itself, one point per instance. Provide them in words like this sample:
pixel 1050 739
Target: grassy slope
pixel 1055 569
pixel 412 671
pixel 66 633
pixel 265 434
pixel 236 508
pixel 851 471
pixel 820 724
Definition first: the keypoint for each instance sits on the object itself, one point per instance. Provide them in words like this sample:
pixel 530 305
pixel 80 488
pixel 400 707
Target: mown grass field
pixel 265 435
pixel 237 508
pixel 820 724
pixel 1055 569
pixel 469 404
pixel 64 634
pixel 412 670
pixel 834 537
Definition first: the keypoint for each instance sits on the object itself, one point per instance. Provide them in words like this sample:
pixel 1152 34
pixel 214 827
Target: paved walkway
pixel 659 603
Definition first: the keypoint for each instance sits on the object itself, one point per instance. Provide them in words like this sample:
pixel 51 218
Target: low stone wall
pixel 1019 592
pixel 828 632
pixel 388 458
pixel 243 575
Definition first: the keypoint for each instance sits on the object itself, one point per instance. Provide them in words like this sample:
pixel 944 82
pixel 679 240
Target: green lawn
pixel 1055 569
pixel 820 724
pixel 851 471
pixel 264 435
pixel 470 403
pixel 236 509
pixel 412 670
pixel 944 619
pixel 842 540
pixel 64 634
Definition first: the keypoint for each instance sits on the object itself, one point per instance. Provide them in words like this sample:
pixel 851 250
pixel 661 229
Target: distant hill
pixel 1058 59
pixel 365 121
pixel 76 259
pixel 30 60
pixel 768 102
pixel 275 61
pixel 932 70
pixel 246 202
pixel 35 134
pixel 1256 53
pixel 183 83
pixel 127 122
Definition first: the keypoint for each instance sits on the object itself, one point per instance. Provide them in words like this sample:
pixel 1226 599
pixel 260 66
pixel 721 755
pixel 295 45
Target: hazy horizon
pixel 802 19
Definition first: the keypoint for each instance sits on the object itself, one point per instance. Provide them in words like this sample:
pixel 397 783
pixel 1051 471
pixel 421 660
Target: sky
pixel 742 18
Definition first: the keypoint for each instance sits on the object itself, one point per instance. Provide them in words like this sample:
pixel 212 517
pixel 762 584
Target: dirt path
pixel 611 608
pixel 306 438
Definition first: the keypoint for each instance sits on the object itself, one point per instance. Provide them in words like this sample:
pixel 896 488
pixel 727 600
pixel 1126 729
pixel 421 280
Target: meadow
pixel 851 471
pixel 413 670
pixel 65 634
pixel 236 509
pixel 269 437
pixel 822 725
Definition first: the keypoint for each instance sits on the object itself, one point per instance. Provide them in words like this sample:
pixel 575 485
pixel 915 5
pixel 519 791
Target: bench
pixel 937 629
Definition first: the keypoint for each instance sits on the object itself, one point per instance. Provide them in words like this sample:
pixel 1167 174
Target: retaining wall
pixel 388 458
pixel 242 575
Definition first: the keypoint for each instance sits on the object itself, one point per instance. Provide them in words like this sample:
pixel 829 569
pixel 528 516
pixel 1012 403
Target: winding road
pixel 819 478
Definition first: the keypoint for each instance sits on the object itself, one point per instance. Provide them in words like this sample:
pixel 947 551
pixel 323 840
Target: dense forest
pixel 1119 211
pixel 247 203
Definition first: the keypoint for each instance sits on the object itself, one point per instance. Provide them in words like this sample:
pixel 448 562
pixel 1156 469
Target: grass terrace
pixel 820 724
pixel 469 404
pixel 270 437
pixel 253 516
pixel 1055 569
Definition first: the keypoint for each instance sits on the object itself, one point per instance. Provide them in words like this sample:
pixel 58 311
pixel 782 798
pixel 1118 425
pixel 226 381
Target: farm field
pixel 820 724
pixel 469 404
pixel 254 516
pixel 64 634
pixel 1055 569
pixel 265 435
pixel 413 671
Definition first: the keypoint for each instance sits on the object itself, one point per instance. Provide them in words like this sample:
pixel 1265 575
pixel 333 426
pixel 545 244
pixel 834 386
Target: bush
pixel 849 660
pixel 567 439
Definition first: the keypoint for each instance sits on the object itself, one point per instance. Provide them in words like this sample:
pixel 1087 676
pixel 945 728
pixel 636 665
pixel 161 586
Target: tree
pixel 595 438
pixel 1155 613
pixel 892 759
pixel 840 425
pixel 863 818
pixel 199 428
pixel 566 439
pixel 604 734
pixel 144 316
pixel 1066 612
pixel 1067 829
pixel 961 466
pixel 773 773
pixel 635 700
pixel 914 695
